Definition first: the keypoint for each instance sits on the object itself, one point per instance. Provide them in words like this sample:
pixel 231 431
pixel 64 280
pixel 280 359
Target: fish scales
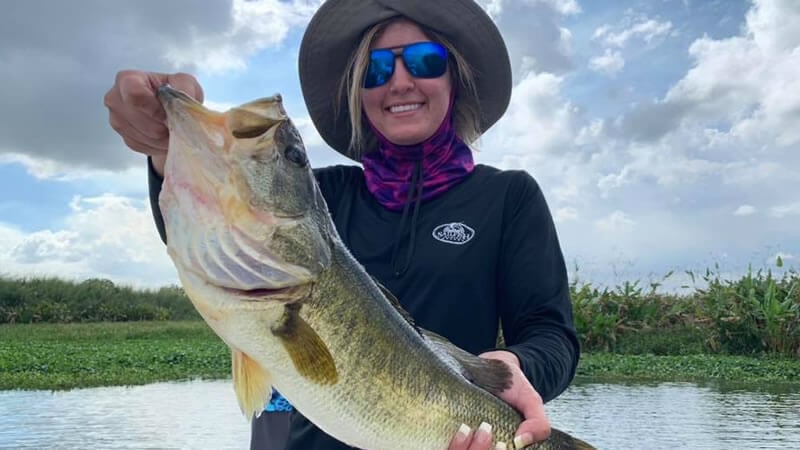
pixel 309 320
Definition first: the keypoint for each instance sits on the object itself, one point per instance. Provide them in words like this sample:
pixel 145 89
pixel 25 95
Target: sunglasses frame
pixel 401 52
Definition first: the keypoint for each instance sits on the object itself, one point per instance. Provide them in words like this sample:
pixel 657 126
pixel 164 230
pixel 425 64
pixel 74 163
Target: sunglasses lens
pixel 381 67
pixel 425 59
pixel 422 60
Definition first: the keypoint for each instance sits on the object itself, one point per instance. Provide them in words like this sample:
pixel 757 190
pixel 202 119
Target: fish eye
pixel 296 154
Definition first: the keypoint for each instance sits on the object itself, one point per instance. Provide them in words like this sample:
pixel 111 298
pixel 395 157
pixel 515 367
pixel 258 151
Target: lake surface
pixel 204 414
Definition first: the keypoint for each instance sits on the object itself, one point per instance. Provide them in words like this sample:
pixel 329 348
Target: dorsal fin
pixel 490 374
pixel 396 303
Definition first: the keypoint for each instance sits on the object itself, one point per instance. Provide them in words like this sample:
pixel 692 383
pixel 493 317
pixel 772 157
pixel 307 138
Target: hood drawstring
pixel 415 196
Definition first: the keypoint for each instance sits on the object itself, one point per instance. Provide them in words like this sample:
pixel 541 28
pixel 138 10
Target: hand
pixel 520 395
pixel 136 114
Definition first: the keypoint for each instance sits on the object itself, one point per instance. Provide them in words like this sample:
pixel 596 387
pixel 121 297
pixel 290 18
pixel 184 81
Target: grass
pixel 56 334
pixel 61 356
pixel 746 369
pixel 66 356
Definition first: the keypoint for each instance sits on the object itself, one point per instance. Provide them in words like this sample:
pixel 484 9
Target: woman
pixel 403 90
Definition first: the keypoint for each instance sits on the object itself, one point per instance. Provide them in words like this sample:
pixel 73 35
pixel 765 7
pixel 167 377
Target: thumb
pixel 184 82
pixel 138 90
pixel 536 426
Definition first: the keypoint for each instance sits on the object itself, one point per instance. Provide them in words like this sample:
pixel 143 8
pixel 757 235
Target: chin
pixel 407 138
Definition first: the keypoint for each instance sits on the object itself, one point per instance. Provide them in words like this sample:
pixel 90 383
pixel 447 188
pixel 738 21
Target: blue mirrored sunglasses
pixel 422 60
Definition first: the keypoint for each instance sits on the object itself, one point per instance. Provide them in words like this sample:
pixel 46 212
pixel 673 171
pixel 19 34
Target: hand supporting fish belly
pixel 258 255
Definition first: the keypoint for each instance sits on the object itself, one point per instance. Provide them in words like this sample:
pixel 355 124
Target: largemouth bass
pixel 258 255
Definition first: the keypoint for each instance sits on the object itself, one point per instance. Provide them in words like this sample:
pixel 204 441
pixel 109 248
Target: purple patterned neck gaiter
pixel 445 158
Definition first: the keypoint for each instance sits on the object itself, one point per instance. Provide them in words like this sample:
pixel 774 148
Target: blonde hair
pixel 466 110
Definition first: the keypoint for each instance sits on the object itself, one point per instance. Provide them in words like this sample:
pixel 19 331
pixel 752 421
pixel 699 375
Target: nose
pixel 401 81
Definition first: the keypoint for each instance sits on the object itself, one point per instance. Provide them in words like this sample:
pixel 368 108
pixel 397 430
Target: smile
pixel 405 108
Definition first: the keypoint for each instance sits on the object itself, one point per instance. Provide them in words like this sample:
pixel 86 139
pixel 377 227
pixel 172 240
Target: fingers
pixel 186 83
pixel 481 439
pixel 462 438
pixel 139 131
pixel 137 92
pixel 135 112
pixel 536 426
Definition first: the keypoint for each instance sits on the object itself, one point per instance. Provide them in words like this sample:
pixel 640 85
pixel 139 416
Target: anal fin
pixel 251 382
pixel 308 352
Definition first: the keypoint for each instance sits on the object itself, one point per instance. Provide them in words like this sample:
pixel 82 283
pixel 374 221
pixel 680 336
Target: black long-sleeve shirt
pixel 485 252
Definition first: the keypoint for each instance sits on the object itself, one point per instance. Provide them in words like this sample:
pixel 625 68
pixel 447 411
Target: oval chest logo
pixel 453 233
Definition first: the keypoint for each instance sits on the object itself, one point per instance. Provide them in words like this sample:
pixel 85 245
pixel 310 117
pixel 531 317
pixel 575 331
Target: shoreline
pixel 69 356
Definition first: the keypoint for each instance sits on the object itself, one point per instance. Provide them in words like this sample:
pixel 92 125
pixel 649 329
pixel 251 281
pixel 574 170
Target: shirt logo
pixel 453 233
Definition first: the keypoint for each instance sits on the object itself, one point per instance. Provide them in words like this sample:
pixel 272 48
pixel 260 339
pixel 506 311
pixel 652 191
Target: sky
pixel 663 133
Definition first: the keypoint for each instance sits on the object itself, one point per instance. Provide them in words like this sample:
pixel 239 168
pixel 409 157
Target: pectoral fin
pixel 251 382
pixel 308 352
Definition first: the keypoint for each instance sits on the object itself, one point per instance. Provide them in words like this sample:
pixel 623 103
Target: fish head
pixel 240 204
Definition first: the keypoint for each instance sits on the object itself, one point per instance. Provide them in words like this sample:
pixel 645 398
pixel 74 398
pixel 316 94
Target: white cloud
pixel 745 210
pixel 565 214
pixel 107 236
pixel 256 25
pixel 739 84
pixel 539 121
pixel 39 168
pixel 609 63
pixel 565 7
pixel 57 117
pixel 534 37
pixel 785 210
pixel 615 222
pixel 646 29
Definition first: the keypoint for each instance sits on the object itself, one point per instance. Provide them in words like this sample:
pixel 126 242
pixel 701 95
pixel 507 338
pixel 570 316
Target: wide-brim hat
pixel 336 30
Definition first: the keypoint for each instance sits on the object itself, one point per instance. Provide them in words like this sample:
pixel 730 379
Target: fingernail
pixel 522 440
pixel 485 427
pixel 500 446
pixel 463 433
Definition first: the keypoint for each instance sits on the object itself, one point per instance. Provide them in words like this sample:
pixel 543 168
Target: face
pixel 406 110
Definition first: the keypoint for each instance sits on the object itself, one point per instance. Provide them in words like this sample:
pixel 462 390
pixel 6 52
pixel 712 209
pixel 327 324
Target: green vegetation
pixel 56 334
pixel 52 300
pixel 59 356
pixel 746 369
pixel 755 315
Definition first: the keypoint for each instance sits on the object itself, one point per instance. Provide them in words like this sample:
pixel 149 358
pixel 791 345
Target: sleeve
pixel 154 182
pixel 533 291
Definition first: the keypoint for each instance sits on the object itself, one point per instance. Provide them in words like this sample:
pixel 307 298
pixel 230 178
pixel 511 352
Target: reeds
pixel 756 314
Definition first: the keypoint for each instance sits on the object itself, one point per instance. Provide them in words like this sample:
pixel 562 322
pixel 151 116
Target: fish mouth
pixel 261 294
pixel 255 294
pixel 167 94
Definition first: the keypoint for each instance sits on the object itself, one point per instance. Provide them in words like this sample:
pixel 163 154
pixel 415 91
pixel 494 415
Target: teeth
pixel 404 108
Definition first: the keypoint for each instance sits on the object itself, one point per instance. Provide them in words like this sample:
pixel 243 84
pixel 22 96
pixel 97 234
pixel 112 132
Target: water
pixel 204 414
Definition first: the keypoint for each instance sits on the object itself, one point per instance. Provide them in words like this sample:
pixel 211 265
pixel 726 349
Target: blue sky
pixel 663 133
